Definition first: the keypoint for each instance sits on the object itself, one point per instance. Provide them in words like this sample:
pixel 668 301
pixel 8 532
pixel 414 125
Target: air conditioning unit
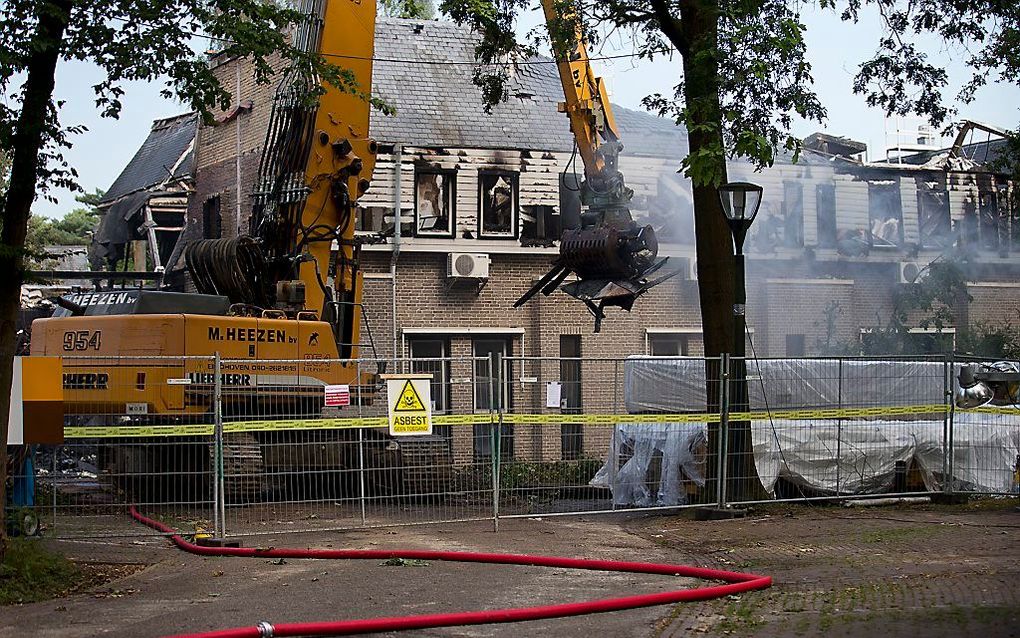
pixel 467 266
pixel 913 272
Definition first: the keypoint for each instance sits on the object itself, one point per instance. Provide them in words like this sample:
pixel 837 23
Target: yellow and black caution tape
pixel 141 431
pixel 349 423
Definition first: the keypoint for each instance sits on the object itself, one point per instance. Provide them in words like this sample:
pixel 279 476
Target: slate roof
pixel 168 140
pixel 439 105
pixel 982 153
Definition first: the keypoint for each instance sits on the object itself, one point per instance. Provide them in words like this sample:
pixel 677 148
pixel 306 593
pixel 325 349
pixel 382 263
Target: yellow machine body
pixel 116 361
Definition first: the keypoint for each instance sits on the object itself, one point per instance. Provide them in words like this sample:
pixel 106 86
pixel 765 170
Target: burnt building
pixel 465 208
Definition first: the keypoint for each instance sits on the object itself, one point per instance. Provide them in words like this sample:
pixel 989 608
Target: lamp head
pixel 740 201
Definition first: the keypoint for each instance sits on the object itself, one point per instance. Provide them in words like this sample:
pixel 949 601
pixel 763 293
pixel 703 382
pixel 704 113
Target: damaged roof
pixel 166 154
pixel 438 104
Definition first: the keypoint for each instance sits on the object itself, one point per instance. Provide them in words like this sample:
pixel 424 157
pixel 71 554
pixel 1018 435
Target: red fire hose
pixel 736 583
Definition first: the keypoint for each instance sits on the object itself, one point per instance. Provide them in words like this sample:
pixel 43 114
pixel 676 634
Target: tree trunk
pixel 28 141
pixel 714 242
pixel 695 35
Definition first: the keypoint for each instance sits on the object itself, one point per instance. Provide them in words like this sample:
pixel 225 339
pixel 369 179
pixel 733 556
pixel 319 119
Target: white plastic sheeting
pixel 832 456
pixel 678 385
pixel 655 454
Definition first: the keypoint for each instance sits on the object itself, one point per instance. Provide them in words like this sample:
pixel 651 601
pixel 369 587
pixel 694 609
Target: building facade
pixel 466 205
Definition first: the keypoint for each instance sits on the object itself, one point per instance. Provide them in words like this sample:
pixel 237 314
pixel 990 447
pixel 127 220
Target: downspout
pixel 237 151
pixel 395 255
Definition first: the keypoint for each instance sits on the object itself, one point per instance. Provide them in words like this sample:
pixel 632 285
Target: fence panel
pixel 842 427
pixel 984 456
pixel 291 463
pixel 597 435
pixel 245 447
pixel 137 432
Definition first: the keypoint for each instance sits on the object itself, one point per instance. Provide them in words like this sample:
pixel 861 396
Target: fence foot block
pixel 956 498
pixel 216 542
pixel 718 513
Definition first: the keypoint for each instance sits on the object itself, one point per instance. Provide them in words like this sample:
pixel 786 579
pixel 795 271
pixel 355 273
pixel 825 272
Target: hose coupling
pixel 266 630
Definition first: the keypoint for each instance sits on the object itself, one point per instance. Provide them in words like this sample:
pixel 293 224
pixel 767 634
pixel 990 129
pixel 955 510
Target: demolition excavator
pixel 612 256
pixel 281 304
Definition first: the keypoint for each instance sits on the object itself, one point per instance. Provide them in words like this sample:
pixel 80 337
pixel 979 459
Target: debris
pixel 404 562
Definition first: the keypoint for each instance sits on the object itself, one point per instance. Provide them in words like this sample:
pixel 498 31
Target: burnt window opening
pixel 793 214
pixel 212 220
pixel 373 219
pixel 435 195
pixel 571 434
pixel 671 210
pixel 885 214
pixel 988 220
pixel 540 225
pixel 933 216
pixel 780 222
pixel 825 214
pixel 570 200
pixel 497 204
pixel 967 224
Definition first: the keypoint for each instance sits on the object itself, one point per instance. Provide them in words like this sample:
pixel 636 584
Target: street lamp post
pixel 740 202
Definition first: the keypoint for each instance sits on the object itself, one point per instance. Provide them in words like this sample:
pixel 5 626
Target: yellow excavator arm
pixel 316 162
pixel 611 255
pixel 586 101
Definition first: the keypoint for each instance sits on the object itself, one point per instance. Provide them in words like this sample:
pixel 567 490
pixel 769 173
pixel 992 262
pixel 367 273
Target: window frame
pixel 481 432
pixel 682 338
pixel 793 217
pixel 451 175
pixel 514 178
pixel 943 215
pixel 572 397
pixel 829 214
pixel 212 211
pixel 441 399
pixel 894 188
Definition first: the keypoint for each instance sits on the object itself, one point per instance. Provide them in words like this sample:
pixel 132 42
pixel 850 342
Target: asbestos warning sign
pixel 409 398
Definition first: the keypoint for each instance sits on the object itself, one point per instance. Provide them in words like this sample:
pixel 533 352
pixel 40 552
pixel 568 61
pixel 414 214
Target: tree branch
pixel 670 26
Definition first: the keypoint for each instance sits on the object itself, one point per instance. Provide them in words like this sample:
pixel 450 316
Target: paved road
pixel 846 572
pixel 179 592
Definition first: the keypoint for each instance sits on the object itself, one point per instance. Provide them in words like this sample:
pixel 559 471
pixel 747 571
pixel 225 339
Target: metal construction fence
pixel 246 447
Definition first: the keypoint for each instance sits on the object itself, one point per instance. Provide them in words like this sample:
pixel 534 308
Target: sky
pixel 835 49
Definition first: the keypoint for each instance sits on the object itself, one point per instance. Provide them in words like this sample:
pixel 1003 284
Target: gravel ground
pixel 946 571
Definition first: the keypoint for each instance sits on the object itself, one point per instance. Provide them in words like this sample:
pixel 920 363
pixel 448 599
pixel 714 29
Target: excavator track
pixel 244 472
pixel 425 466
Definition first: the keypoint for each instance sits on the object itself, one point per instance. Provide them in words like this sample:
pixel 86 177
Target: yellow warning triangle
pixel 408 401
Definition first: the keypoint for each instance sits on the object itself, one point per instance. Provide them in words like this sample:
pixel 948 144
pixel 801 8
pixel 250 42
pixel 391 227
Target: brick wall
pixel 216 147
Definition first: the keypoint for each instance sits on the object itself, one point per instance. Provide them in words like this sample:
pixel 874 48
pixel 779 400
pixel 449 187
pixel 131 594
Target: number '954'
pixel 77 340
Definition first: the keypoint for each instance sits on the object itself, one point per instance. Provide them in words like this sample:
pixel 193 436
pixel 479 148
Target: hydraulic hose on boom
pixel 316 162
pixel 610 253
